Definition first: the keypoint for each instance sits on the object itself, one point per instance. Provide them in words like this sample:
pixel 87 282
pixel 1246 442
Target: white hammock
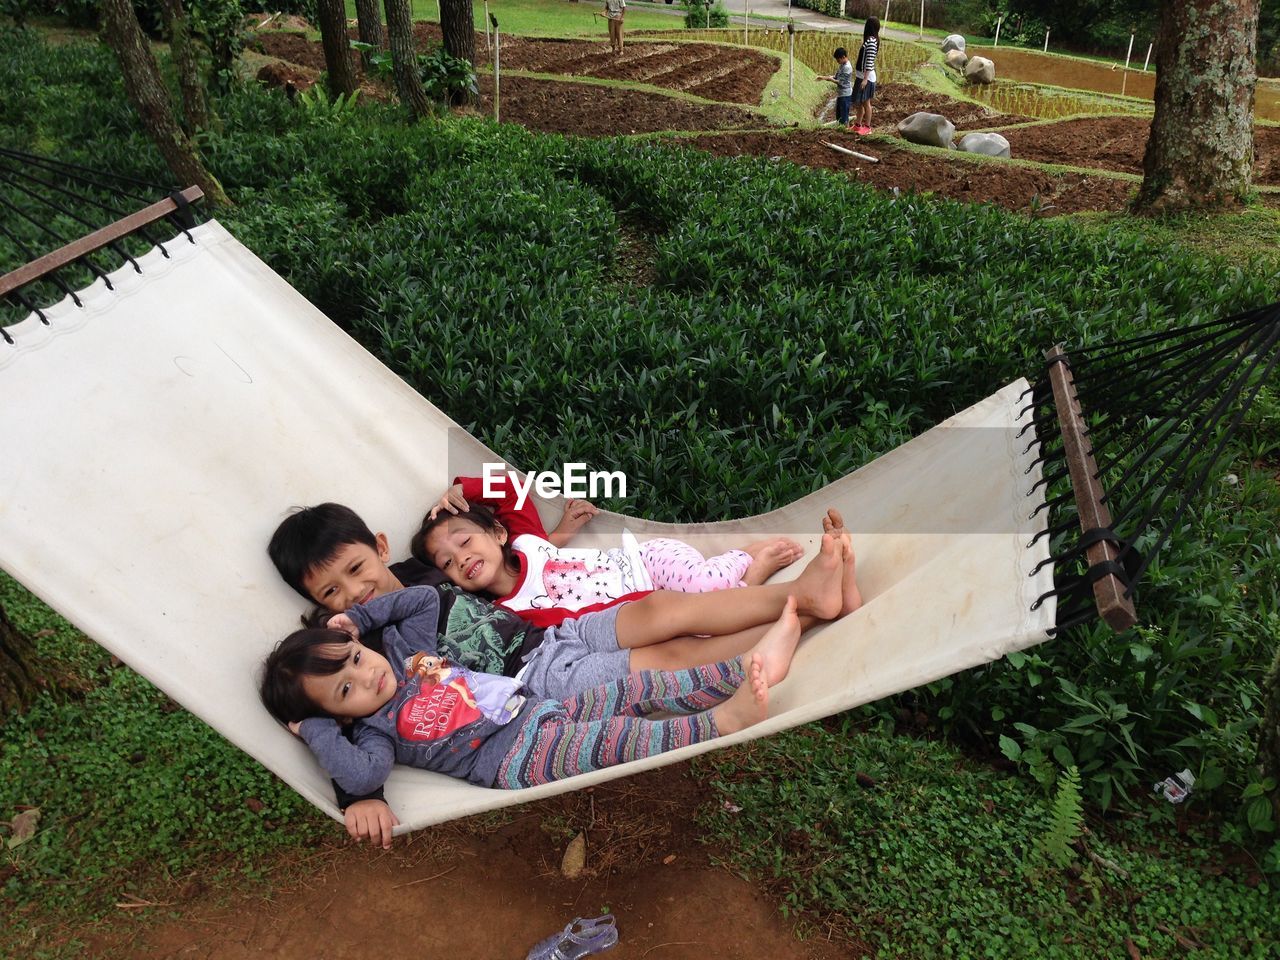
pixel 153 439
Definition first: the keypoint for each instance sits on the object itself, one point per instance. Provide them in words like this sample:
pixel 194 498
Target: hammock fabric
pixel 157 433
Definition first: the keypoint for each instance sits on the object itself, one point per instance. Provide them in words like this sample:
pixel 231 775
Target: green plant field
pixel 773 350
pixel 896 61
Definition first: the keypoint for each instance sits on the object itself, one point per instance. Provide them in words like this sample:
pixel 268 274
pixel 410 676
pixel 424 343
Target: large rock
pixel 929 129
pixel 980 70
pixel 953 42
pixel 956 59
pixel 991 144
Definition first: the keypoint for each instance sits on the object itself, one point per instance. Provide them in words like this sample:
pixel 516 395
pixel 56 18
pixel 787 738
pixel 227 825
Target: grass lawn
pixel 546 18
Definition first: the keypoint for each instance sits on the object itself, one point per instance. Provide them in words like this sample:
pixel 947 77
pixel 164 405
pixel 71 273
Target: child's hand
pixel 295 728
pixel 371 820
pixel 340 621
pixel 577 514
pixel 452 501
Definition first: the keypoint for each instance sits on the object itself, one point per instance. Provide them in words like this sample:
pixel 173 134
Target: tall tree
pixel 1200 152
pixel 457 25
pixel 195 108
pixel 338 61
pixel 369 23
pixel 150 98
pixel 404 58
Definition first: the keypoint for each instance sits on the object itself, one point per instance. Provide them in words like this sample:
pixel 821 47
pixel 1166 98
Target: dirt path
pixel 461 890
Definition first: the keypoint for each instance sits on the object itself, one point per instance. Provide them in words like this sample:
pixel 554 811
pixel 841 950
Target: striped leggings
pixel 607 725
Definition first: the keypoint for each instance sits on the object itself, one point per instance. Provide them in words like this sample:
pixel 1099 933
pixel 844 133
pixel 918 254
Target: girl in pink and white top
pixel 502 550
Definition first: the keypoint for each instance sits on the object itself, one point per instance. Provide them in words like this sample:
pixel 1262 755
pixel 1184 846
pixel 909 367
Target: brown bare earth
pixel 470 890
pixel 703 69
pixel 1117 143
pixel 1006 185
pixel 554 106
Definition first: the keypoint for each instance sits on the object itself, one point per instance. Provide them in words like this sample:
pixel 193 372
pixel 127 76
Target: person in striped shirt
pixel 864 86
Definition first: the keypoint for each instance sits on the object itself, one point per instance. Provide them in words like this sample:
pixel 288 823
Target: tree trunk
pixel 195 109
pixel 458 28
pixel 147 93
pixel 404 58
pixel 20 678
pixel 369 22
pixel 1200 152
pixel 1269 735
pixel 332 15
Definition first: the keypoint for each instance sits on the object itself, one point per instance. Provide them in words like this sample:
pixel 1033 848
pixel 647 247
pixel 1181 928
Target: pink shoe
pixel 862 131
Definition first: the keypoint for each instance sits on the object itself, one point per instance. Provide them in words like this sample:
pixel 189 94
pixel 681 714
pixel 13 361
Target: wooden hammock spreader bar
pixel 1109 590
pixel 33 271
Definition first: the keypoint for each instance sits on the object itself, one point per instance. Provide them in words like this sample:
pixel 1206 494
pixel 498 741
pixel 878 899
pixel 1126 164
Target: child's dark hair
pixel 482 516
pixel 303 653
pixel 840 52
pixel 871 28
pixel 311 536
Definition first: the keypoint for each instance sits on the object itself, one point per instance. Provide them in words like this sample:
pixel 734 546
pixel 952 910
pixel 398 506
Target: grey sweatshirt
pixel 452 720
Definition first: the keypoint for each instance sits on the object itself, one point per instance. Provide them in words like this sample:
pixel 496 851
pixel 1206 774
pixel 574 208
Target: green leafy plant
pixel 1066 820
pixel 446 78
pixel 317 106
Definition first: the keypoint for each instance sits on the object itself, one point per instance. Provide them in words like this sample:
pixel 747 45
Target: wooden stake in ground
pixel 497 68
pixel 852 153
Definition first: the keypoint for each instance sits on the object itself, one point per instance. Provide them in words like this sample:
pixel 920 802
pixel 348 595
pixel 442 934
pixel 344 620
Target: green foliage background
pixel 797 325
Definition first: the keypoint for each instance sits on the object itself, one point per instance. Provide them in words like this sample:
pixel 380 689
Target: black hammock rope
pixel 1129 432
pixel 69 225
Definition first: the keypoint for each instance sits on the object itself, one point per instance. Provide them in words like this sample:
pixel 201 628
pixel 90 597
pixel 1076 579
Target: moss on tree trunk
pixel 150 98
pixel 457 28
pixel 21 677
pixel 1200 152
pixel 404 58
pixel 338 61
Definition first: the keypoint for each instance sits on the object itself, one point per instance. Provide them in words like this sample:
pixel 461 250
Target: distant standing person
pixel 864 89
pixel 614 12
pixel 843 79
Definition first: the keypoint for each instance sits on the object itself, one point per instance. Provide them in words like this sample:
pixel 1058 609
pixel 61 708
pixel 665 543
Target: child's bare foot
pixel 749 703
pixel 768 557
pixel 833 522
pixel 819 590
pixel 852 597
pixel 778 645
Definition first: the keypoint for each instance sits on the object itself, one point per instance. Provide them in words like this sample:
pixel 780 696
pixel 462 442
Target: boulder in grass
pixel 953 42
pixel 956 59
pixel 980 70
pixel 990 144
pixel 929 129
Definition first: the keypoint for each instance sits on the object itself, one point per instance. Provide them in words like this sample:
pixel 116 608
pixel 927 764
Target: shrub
pixel 703 14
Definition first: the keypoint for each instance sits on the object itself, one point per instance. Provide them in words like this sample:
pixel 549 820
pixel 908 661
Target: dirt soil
pixel 1117 143
pixel 464 890
pixel 1007 186
pixel 554 106
pixel 703 69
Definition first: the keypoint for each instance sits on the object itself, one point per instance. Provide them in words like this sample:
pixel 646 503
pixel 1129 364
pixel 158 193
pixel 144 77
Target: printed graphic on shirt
pixel 443 698
pixel 574 579
pixel 479 633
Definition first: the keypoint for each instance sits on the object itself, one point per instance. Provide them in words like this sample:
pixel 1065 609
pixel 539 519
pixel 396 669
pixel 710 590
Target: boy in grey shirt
pixel 843 79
